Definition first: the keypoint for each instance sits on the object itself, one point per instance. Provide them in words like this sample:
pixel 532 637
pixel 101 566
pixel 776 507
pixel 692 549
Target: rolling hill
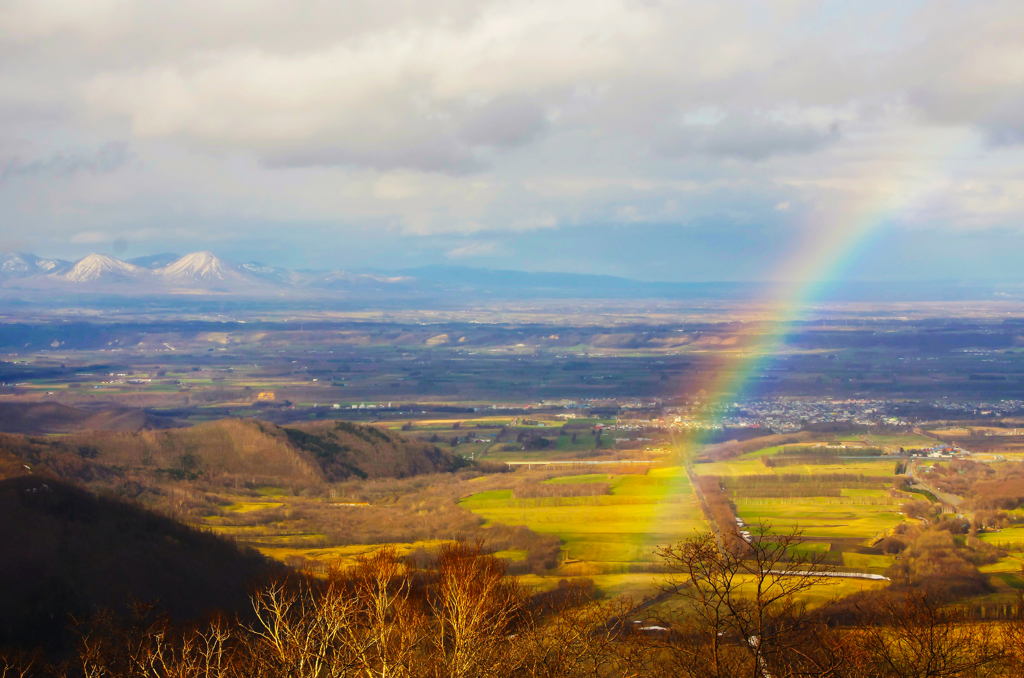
pixel 246 450
pixel 51 417
pixel 342 449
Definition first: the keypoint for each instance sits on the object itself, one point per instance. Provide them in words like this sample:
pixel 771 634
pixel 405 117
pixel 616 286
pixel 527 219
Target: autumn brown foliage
pixel 460 615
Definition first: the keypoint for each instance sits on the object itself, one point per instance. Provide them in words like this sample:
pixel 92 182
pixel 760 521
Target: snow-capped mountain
pixel 196 273
pixel 200 267
pixel 273 274
pixel 101 268
pixel 23 265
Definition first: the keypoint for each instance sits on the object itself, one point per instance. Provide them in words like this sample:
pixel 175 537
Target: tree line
pixel 462 616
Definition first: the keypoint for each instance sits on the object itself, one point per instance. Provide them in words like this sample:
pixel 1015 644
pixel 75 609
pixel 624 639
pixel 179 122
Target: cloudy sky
pixel 683 140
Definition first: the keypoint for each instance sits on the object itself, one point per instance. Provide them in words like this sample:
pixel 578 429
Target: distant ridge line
pixel 204 272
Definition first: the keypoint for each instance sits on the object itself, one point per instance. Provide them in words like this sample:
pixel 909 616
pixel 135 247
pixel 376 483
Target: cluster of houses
pixel 941 451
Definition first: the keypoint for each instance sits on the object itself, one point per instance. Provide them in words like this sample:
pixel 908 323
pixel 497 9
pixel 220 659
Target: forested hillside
pixel 68 551
pixel 243 450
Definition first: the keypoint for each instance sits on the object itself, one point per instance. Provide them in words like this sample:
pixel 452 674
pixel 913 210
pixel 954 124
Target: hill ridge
pixel 248 450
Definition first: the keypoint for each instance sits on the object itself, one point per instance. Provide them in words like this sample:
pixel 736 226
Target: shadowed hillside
pixel 67 551
pixel 11 465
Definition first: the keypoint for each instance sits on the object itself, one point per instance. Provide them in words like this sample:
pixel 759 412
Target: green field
pixel 765 452
pixel 607 532
pixel 585 478
pixel 839 528
pixel 868 562
pixel 1013 536
pixel 732 468
pixel 820 517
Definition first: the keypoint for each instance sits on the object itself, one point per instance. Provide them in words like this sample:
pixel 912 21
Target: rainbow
pixel 835 239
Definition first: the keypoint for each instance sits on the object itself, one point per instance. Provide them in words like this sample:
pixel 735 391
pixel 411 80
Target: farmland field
pixel 820 518
pixel 604 533
pixel 1011 536
pixel 841 508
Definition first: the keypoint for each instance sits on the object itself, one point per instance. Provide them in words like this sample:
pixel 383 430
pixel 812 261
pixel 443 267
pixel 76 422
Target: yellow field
pixel 820 517
pixel 751 465
pixel 344 556
pixel 249 506
pixel 732 468
pixel 607 532
pixel 867 563
pixel 1009 535
pixel 828 590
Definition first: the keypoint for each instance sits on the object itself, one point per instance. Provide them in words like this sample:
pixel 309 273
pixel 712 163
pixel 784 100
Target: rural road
pixel 945 497
pixel 704 506
pixel 576 462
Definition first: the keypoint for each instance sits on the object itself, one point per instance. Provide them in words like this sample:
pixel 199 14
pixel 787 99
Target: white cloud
pixel 90 238
pixel 473 250
pixel 452 116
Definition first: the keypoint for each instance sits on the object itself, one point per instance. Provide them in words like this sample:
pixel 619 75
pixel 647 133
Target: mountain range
pixel 171 274
pixel 205 273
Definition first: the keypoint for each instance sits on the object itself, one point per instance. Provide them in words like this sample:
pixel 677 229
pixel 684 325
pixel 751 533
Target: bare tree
pixel 477 608
pixel 585 638
pixel 205 652
pixel 298 627
pixel 1013 639
pixel 914 637
pixel 17 664
pixel 391 626
pixel 741 613
pixel 95 653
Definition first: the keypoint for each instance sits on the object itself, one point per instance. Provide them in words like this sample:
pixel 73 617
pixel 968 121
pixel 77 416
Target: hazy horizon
pixel 693 142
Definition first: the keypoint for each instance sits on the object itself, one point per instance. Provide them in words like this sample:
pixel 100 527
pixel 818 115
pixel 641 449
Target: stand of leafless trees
pixel 723 614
